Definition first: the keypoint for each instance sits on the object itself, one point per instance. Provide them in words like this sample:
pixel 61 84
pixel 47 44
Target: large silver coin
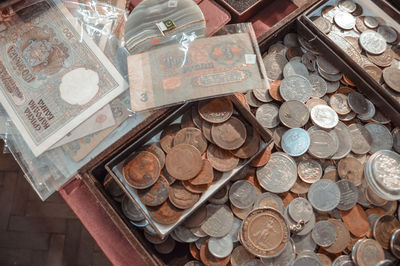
pixel 381 137
pixel 348 195
pixel 295 141
pixel 300 209
pixel 279 174
pixel 332 86
pixel 294 114
pixel 220 247
pixel 361 139
pixel 268 115
pixel 324 195
pixel 324 116
pixel 324 233
pixel 295 68
pixel 345 143
pixel 319 86
pixel 345 20
pixel 388 33
pixel 242 194
pixel 274 64
pixel 295 88
pixel 372 42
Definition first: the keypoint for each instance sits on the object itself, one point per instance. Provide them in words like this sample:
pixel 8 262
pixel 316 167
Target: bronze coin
pixel 182 198
pixel 196 116
pixel 229 135
pixel 221 160
pixel 274 90
pixel 205 176
pixel 384 228
pixel 192 136
pixel 167 137
pixel 167 176
pixel 262 159
pixel 196 189
pixel 383 60
pixel 209 260
pixel 183 162
pixel 356 220
pixel 158 152
pixel 342 237
pixel 194 251
pixel 206 129
pixel 360 26
pixel 216 110
pixel 196 219
pixel 351 169
pixel 165 213
pixel 251 144
pixel 142 171
pixel 345 90
pixel 156 194
pixel 241 97
pixel 187 120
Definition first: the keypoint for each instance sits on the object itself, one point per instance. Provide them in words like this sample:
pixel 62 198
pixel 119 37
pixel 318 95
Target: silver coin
pixel 295 88
pixel 324 195
pixel 347 6
pixel 310 61
pixel 130 210
pixel 361 139
pixel 396 139
pixel 326 66
pixel 295 141
pixel 219 221
pixel 309 171
pixel 348 195
pixel 345 143
pixel 290 40
pixel 185 235
pixel 252 100
pixel 372 42
pixel 370 114
pixel 269 200
pixel 324 116
pixel 220 247
pixel 318 85
pixel 329 12
pixel 322 144
pixel 268 115
pixel 295 68
pixel 294 114
pixel 201 241
pixel 322 24
pixel 306 261
pixel 198 232
pixel 285 258
pixel 300 209
pixel 345 20
pixel 324 233
pixel 381 137
pixel 357 103
pixel 234 233
pixel 388 33
pixel 330 77
pixel 344 260
pixel 371 22
pixel 279 174
pixel 274 64
pixel 384 167
pixel 303 243
pixel 346 46
pixel 278 48
pixel 332 86
pixel 242 194
pixel 346 118
pixel 262 94
pixel 339 103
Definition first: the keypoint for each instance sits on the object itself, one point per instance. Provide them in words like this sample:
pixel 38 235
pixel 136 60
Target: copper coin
pixel 274 90
pixel 192 136
pixel 229 135
pixel 187 120
pixel 197 121
pixel 156 194
pixel 262 158
pixel 205 176
pixel 342 237
pixel 383 60
pixel 221 160
pixel 142 171
pixel 251 144
pixel 182 198
pixel 294 114
pixel 206 129
pixel 331 175
pixel 167 137
pixel 356 220
pixel 351 169
pixel 208 259
pixel 197 189
pixel 166 213
pixel 196 219
pixel 384 228
pixel 360 26
pixel 158 152
pixel 241 97
pixel 183 162
pixel 293 52
pixel 194 251
pixel 216 110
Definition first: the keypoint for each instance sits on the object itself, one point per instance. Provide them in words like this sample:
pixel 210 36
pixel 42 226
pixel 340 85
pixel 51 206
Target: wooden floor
pixel 33 232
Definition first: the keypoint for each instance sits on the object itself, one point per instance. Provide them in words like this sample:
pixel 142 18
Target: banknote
pixel 201 68
pixel 52 76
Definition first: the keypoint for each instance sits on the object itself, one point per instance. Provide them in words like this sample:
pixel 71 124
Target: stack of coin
pixel 368 40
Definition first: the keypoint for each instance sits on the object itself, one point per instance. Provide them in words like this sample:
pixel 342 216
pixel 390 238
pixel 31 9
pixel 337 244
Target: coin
pixel 357 103
pixel 322 144
pixel 208 259
pixel 242 194
pixel 274 64
pixel 220 247
pixel 192 136
pixel 229 135
pixel 330 77
pixel 329 12
pixel 369 252
pixel 372 42
pixel 388 33
pixel 158 152
pixel 300 209
pixel 342 237
pixel 313 102
pixel 240 255
pixel 303 243
pixel 219 221
pixel 318 84
pixel 351 169
pixel 383 229
pixel 196 219
pixel 325 260
pixel 338 102
pixel 279 174
pixel 309 171
pixel 274 90
pixel 293 114
pixel 395 243
pixel 343 260
pixel 217 110
pixel 306 260
pixel 295 88
pixel 166 247
pixel 295 68
pixel 322 24
pixel 251 144
pixel 324 116
pixel 324 195
pixel 370 114
pixel 221 160
pixel 285 258
pixel 381 137
pixel 348 195
pixel 187 120
pixel 344 137
pixel 269 200
pixel 165 213
pixel 205 176
pixel 277 48
pixel 184 234
pixel 264 232
pixel 371 22
pixel 182 198
pixel 356 221
pixel 361 139
pixel 290 40
pixel 130 210
pixel 142 171
pixel 326 66
pixel 300 187
pixel 392 78
pixel 347 6
pixel 167 137
pixel 268 115
pixel 382 60
pixel 261 93
pixel 156 194
pixel 252 100
pixel 345 20
pixel 187 168
pixel 295 141
pixel 324 233
pixel 396 139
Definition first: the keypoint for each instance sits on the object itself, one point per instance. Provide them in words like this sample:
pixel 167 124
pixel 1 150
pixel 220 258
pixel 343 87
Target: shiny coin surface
pixel 294 114
pixel 357 103
pixel 295 141
pixel 300 209
pixel 361 139
pixel 142 171
pixel 347 6
pixel 130 210
pixel 322 144
pixel 187 168
pixel 324 195
pixel 242 194
pixel 383 229
pixel 369 252
pixel 252 100
pixel 182 198
pixel 221 160
pixel 295 87
pixel 372 42
pixel 339 103
pixel 388 33
pixel 309 171
pixel 345 143
pixel 381 137
pixel 371 22
pixel 345 20
pixel 268 115
pixel 351 169
pixel 324 233
pixel 348 195
pixel 392 78
pixel 192 136
pixel 220 247
pixel 295 68
pixel 156 194
pixel 229 135
pixel 217 110
pixel 219 220
pixel 324 116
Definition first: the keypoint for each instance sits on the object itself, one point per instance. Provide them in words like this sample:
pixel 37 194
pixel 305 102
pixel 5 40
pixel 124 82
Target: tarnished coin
pixel 279 174
pixel 217 110
pixel 381 137
pixel 354 42
pixel 261 93
pixel 342 237
pixel 158 152
pixel 221 160
pixel 242 194
pixel 295 141
pixel 347 6
pixel 252 100
pixel 322 144
pixel 274 90
pixel 229 135
pixel 185 235
pixel 220 247
pixel 356 221
pixel 303 243
pixel 269 200
pixel 324 233
pixel 371 22
pixel 383 229
pixel 205 176
pixel 295 87
pixel 295 68
pixel 359 10
pixel 262 158
pixel 324 116
pixel 187 168
pixel 384 59
pixel 285 258
pixel 370 114
pixel 294 114
pixel 313 102
pixel 380 118
pixel 277 48
pixel 196 219
pixel 344 137
pixel 300 209
pixel 325 260
pixel 388 33
pixel 324 195
pixel 309 171
pixel 326 66
pixel 318 85
pixel 300 187
pixel 251 144
pixel 357 103
pixel 240 255
pixel 290 40
pixel 348 195
pixel 192 136
pixel 182 198
pixel 369 252
pixel 268 115
pixel 361 139
pixel 345 20
pixel 142 171
pixel 165 213
pixel 219 221
pixel 274 64
pixel 167 137
pixel 264 232
pixel 395 243
pixel 351 169
pixel 322 24
pixel 338 102
pixel 372 42
pixel 130 210
pixel 360 26
pixel 391 76
pixel 156 194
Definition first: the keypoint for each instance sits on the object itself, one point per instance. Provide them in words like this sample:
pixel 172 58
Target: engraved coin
pixel 192 136
pixel 269 200
pixel 361 139
pixel 165 213
pixel 357 103
pixel 279 174
pixel 322 144
pixel 156 194
pixel 130 210
pixel 295 88
pixel 220 247
pixel 295 68
pixel 392 78
pixel 142 171
pixel 274 64
pixel 268 115
pixel 383 229
pixel 217 110
pixel 369 252
pixel 187 168
pixel 347 6
pixel 351 169
pixel 229 135
pixel 251 144
pixel 330 77
pixel 294 114
pixel 318 84
pixel 343 260
pixel 354 42
pixel 242 194
pixel 262 94
pixel 310 171
pixel 219 221
pixel 322 24
pixel 388 33
pixel 344 137
pixel 182 198
pixel 300 209
pixel 372 42
pixel 167 137
pixel 381 137
pixel 295 141
pixel 208 259
pixel 345 20
pixel 348 195
pixel 370 114
pixel 221 160
pixel 395 243
pixel 360 26
pixel 324 233
pixel 285 258
pixel 371 22
pixel 338 102
pixel 324 116
pixel 324 195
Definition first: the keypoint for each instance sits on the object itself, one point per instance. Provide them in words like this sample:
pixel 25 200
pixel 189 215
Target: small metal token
pixel 371 22
pixel 347 6
pixel 269 200
pixel 310 171
pixel 345 20
pixel 268 115
pixel 274 64
pixel 339 103
pixel 295 68
pixel 357 103
pixel 361 139
pixel 322 144
pixel 370 114
pixel 130 210
pixel 372 42
pixel 324 195
pixel 381 137
pixel 348 195
pixel 295 141
pixel 295 88
pixel 220 247
pixel 300 209
pixel 219 221
pixel 388 33
pixel 294 114
pixel 324 116
pixel 242 194
pixel 324 233
pixel 391 76
pixel 351 169
pixel 395 243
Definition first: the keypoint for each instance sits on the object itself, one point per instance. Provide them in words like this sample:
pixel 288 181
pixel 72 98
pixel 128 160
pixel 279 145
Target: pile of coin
pixel 368 40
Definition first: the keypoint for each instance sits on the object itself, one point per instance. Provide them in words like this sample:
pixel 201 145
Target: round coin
pixel 268 115
pixel 240 255
pixel 391 76
pixel 310 171
pixel 142 171
pixel 220 247
pixel 324 116
pixel 324 233
pixel 369 252
pixel 295 88
pixel 205 176
pixel 345 20
pixel 357 103
pixel 251 144
pixel 242 194
pixel 269 200
pixel 156 194
pixel 338 102
pixel 184 162
pixel 322 24
pixel 342 237
pixel 388 33
pixel 261 93
pixel 217 110
pixel 294 114
pixel 372 42
pixel 370 114
pixel 356 221
pixel 348 195
pixel 274 90
pixel 295 141
pixel 285 258
pixel 295 68
pixel 324 195
pixel 347 6
pixel 371 22
pixel 158 152
pixel 324 65
pixel 383 60
pixel 383 229
pixel 182 198
pixel 351 169
pixel 192 136
pixel 300 209
pixel 221 160
pixel 130 210
pixel 208 259
pixel 262 158
pixel 319 86
pixel 345 144
pixel 361 139
pixel 381 137
pixel 229 135
pixel 322 144
pixel 167 137
pixel 219 220
pixel 165 213
pixel 274 64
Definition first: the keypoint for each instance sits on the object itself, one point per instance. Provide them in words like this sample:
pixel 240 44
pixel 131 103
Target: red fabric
pixel 99 224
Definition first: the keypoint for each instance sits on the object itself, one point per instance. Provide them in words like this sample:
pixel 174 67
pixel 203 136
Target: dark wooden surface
pixel 33 232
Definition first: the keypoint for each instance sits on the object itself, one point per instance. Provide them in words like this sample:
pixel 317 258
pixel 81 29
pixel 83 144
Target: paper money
pixel 52 77
pixel 201 68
